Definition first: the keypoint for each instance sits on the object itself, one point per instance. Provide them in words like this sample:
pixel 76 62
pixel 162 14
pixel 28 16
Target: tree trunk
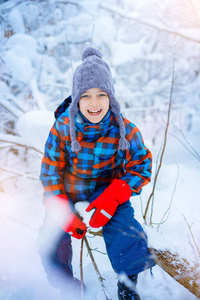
pixel 180 269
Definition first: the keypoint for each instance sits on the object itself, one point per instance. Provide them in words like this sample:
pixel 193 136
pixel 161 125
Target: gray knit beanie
pixel 94 72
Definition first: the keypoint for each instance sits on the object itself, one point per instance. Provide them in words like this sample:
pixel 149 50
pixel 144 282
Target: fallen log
pixel 177 267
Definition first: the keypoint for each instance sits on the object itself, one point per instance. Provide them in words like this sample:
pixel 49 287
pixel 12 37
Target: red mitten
pixel 106 204
pixel 58 208
pixel 74 226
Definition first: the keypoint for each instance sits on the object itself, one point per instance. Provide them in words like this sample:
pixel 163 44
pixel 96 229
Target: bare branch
pixel 22 145
pixel 98 233
pixel 4 104
pixel 193 150
pixel 96 250
pixel 164 143
pixel 92 35
pixel 41 66
pixel 192 235
pixel 38 96
pixel 70 56
pixel 167 211
pixel 11 99
pixel 81 270
pixel 188 144
pixel 67 2
pixel 7 177
pixel 18 173
pixel 96 269
pixel 156 170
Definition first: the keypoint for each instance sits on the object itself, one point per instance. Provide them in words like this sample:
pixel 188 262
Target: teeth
pixel 94 111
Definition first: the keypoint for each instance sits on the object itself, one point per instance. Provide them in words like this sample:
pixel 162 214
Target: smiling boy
pixel 94 154
pixel 94 104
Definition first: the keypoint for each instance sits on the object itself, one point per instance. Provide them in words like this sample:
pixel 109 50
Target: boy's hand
pixel 106 204
pixel 74 226
pixel 59 210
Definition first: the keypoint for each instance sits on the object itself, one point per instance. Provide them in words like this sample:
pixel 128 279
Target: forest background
pixel 152 46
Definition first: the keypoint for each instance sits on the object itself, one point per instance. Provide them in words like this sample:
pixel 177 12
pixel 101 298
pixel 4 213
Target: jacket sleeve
pixel 53 164
pixel 138 162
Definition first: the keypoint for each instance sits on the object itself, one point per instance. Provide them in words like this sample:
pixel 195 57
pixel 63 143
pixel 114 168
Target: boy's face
pixel 94 104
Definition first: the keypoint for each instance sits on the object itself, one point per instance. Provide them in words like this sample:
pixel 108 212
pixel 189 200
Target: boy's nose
pixel 94 101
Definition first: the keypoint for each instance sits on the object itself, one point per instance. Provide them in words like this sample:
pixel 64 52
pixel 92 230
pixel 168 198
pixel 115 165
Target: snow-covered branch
pixel 155 26
pixel 18 173
pixel 17 142
pixel 9 107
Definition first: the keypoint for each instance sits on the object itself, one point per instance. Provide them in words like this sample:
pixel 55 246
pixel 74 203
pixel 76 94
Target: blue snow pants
pixel 125 240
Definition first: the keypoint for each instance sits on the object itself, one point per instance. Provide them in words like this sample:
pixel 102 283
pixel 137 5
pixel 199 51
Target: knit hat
pixel 94 72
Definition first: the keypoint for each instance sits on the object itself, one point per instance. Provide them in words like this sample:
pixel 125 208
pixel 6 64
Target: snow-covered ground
pixel 35 68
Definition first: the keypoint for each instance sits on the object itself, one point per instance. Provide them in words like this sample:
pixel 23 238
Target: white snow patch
pixel 34 127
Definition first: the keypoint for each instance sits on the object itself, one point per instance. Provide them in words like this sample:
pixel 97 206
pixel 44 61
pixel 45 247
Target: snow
pixel 133 51
pixel 27 42
pixel 16 21
pixel 36 77
pixel 34 127
pixel 19 65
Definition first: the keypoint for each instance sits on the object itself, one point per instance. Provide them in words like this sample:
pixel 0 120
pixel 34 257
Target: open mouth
pixel 94 112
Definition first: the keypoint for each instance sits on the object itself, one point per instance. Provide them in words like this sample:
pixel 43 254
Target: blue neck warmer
pixel 92 131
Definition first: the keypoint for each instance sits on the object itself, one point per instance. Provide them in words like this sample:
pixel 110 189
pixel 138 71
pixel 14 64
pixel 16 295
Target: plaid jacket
pixel 77 175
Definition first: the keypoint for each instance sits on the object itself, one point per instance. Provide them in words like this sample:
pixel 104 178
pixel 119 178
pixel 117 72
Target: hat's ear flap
pixel 74 143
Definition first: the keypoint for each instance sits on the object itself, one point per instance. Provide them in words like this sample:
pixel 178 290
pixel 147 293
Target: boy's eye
pixel 102 95
pixel 84 96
